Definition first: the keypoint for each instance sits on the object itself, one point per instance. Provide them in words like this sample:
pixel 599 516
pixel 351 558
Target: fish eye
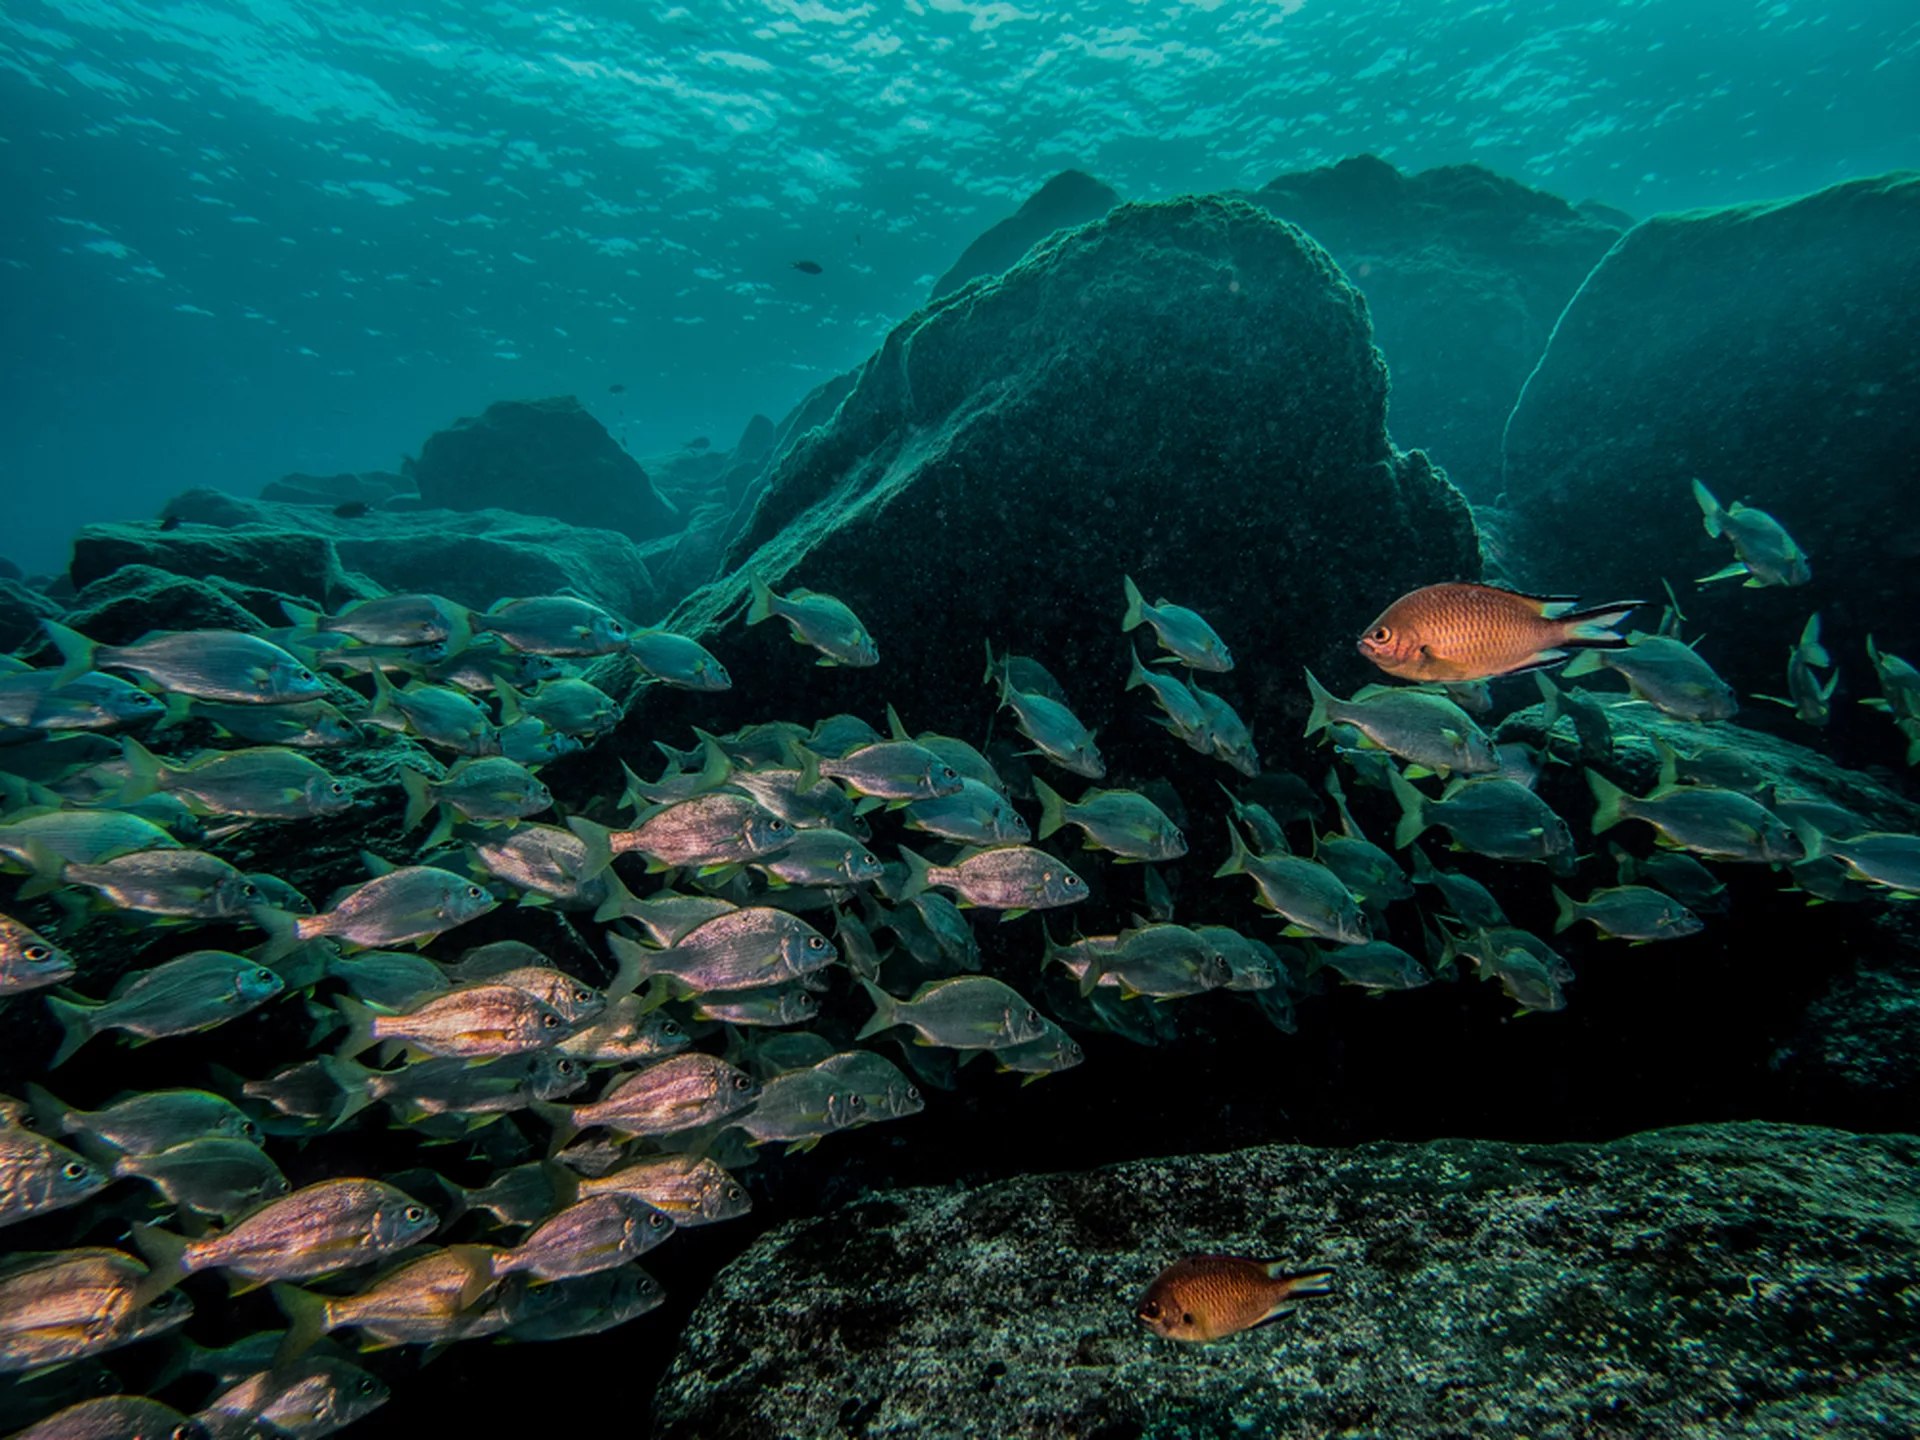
pixel 656 1220
pixel 1188 1317
pixel 815 942
pixel 669 1029
pixel 303 676
pixel 856 1102
pixel 1071 881
pixel 1073 1049
pixel 776 823
pixel 250 890
pixel 36 953
pixel 913 1092
pixel 582 995
pixel 366 1385
pixel 474 892
pixel 415 1214
pixel 947 772
pixel 182 1432
pixel 735 1194
pixel 1150 1310
pixel 263 975
pixel 74 1170
pixel 1033 1017
pixel 868 860
pixel 741 1082
pixel 278 1187
pixel 337 788
pixel 565 1067
pixel 550 1021
pixel 1380 635
pixel 250 1130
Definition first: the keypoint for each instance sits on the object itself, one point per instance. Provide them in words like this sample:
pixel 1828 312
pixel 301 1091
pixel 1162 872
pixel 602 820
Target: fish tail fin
pixel 1133 619
pixel 1569 912
pixel 1811 650
pixel 167 1263
pixel 1052 808
pixel 565 1182
pixel 1811 840
pixel 513 705
pixel 383 692
pixel 886 1009
pixel 361 1018
pixel 618 902
pixel 919 873
pixel 176 710
pixel 305 622
pixel 1413 811
pixel 1236 861
pixel 1549 700
pixel 76 1026
pixel 283 933
pixel 1669 765
pixel 1585 663
pixel 560 1117
pixel 1137 675
pixel 633 964
pixel 1302 1283
pixel 76 651
pixel 761 607
pixel 1321 716
pixel 145 772
pixel 419 797
pixel 353 1081
pixel 1610 801
pixel 1711 515
pixel 716 766
pixel 599 842
pixel 308 1318
pixel 50 1113
pixel 1593 628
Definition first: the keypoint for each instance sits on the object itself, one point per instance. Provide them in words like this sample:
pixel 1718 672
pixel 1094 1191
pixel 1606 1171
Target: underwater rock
pixel 1465 272
pixel 22 608
pixel 1184 392
pixel 1068 199
pixel 11 571
pixel 1704 1281
pixel 125 604
pixel 474 557
pixel 289 562
pixel 1859 1043
pixel 1767 350
pixel 541 457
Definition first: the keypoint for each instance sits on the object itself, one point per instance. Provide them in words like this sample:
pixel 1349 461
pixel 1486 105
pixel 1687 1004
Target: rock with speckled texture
pixel 1746 1280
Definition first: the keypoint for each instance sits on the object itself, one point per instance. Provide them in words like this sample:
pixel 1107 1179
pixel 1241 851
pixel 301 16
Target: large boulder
pixel 1068 199
pixel 1465 272
pixel 541 457
pixel 1184 392
pixel 22 608
pixel 290 561
pixel 475 557
pixel 1768 350
pixel 1695 1283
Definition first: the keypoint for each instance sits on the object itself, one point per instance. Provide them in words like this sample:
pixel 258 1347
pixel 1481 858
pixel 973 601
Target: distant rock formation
pixel 1465 272
pixel 1769 351
pixel 541 457
pixel 1214 424
pixel 1704 1281
pixel 1069 198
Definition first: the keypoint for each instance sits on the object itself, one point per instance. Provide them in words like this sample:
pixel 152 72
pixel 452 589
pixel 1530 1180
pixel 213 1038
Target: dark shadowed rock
pixel 1185 392
pixel 21 611
pixel 1068 199
pixel 1465 273
pixel 11 571
pixel 541 457
pixel 1769 351
pixel 474 557
pixel 125 604
pixel 1710 1281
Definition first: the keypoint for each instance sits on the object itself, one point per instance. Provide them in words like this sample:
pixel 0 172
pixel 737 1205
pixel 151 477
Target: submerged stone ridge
pixel 1187 392
pixel 1708 1281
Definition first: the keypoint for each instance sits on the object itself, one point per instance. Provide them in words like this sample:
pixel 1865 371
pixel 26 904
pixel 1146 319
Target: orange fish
pixel 1209 1297
pixel 1463 632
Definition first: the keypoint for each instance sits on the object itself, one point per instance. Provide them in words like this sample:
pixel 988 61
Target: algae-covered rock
pixel 1465 272
pixel 22 608
pixel 1703 1282
pixel 1767 350
pixel 541 457
pixel 1070 198
pixel 121 606
pixel 1184 392
pixel 291 561
pixel 474 557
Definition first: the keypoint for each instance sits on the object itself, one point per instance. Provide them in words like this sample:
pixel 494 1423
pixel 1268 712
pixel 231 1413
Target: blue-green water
pixel 244 239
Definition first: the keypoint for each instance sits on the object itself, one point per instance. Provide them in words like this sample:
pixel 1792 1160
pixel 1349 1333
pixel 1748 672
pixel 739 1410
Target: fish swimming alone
pixel 1465 631
pixel 1209 1297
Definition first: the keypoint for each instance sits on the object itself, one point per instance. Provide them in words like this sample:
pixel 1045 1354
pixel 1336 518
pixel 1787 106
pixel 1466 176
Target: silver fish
pixel 472 1022
pixel 720 828
pixel 395 620
pixel 42 702
pixel 305 1398
pixel 202 664
pixel 626 1034
pixel 1187 639
pixel 212 1175
pixel 1123 821
pixel 571 706
pixel 1427 730
pixel 1628 912
pixel 1490 816
pixel 429 1300
pixel 676 660
pixel 968 1012
pixel 1666 674
pixel 437 715
pixel 38 1176
pixel 193 992
pixel 589 1236
pixel 744 949
pixel 1010 878
pixel 587 1306
pixel 412 903
pixel 691 1189
pixel 62 1306
pixel 822 621
pixel 1764 552
pixel 268 783
pixel 1313 899
pixel 676 1094
pixel 28 960
pixel 479 790
pixel 144 1122
pixel 554 625
pixel 1720 824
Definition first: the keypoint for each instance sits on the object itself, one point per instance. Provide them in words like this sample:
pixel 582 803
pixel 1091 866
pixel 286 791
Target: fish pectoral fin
pixel 1011 915
pixel 1726 572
